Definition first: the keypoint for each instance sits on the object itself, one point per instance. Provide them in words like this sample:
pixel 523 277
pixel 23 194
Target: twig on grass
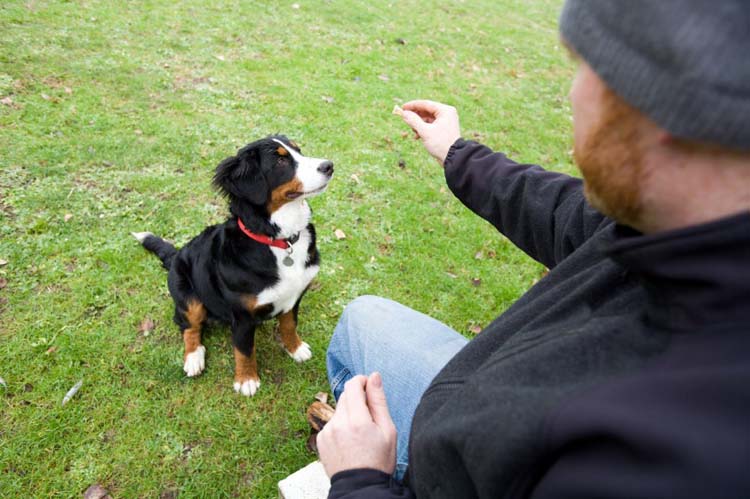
pixel 72 392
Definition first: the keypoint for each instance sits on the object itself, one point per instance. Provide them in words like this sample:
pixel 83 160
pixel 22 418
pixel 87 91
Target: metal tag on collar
pixel 288 258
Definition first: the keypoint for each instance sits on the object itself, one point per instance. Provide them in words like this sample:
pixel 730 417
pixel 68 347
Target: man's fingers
pixel 355 401
pixel 376 401
pixel 423 106
pixel 414 121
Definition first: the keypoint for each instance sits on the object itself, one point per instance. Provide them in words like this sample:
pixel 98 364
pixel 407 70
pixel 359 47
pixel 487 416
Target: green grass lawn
pixel 112 118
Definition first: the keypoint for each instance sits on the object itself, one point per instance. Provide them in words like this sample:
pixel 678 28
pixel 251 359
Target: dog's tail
pixel 158 246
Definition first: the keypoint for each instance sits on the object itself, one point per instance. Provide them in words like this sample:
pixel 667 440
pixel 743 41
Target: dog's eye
pixel 282 161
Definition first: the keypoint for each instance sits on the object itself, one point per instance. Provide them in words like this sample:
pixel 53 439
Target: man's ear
pixel 240 177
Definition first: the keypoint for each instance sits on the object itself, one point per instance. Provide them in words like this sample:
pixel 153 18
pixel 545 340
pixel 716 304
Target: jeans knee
pixel 353 323
pixel 357 311
pixel 362 304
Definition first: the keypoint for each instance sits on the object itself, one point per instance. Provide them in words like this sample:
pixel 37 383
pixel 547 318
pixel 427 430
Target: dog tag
pixel 288 261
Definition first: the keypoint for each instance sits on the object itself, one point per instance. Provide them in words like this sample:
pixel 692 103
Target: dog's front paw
pixel 302 353
pixel 195 361
pixel 247 387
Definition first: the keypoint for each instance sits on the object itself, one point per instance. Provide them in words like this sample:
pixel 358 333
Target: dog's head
pixel 271 172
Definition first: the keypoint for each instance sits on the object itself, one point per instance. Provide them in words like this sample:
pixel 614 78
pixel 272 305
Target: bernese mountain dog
pixel 255 266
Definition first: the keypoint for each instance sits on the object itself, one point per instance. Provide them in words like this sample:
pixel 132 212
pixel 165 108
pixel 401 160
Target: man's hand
pixel 361 433
pixel 435 123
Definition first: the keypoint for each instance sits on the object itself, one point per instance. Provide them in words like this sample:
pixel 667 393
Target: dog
pixel 255 266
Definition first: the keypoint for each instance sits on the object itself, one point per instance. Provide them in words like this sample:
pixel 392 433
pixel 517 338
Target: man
pixel 625 372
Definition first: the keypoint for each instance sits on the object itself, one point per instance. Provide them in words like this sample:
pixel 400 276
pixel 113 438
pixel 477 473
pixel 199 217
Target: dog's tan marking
pixel 282 151
pixel 288 332
pixel 279 195
pixel 250 302
pixel 195 315
pixel 245 367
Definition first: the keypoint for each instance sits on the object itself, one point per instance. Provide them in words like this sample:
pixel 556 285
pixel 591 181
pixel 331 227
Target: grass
pixel 113 116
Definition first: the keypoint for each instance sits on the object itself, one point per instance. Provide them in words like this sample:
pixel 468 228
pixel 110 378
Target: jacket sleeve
pixel 366 483
pixel 543 213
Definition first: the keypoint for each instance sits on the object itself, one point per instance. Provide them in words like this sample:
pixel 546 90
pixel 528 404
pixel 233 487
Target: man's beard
pixel 611 161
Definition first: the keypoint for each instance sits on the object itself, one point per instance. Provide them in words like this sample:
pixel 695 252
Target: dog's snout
pixel 326 168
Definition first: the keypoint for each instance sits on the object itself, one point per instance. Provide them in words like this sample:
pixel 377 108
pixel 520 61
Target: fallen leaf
pixel 3 282
pixel 355 178
pixel 51 350
pixel 475 329
pixel 6 101
pixel 322 397
pixel 67 217
pixel 339 234
pixel 146 326
pixel 96 491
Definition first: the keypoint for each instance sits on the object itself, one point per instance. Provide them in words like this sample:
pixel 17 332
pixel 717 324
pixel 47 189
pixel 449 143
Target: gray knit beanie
pixel 683 63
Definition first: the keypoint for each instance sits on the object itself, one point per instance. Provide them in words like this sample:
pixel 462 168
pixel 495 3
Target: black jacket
pixel 624 373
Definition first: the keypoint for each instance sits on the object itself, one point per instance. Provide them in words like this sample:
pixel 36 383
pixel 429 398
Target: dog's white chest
pixel 293 279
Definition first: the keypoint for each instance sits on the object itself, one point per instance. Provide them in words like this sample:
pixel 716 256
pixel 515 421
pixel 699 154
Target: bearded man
pixel 625 372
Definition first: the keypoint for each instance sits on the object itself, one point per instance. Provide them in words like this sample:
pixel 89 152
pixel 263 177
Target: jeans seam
pixel 336 381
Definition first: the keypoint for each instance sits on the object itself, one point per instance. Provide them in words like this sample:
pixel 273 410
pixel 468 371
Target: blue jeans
pixel 406 347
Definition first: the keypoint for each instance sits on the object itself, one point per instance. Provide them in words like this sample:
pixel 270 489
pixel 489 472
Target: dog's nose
pixel 326 168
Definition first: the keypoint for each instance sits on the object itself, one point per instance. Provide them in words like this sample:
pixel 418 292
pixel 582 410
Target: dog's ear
pixel 240 177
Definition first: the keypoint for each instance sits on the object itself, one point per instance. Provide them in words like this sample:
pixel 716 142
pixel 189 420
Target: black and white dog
pixel 255 266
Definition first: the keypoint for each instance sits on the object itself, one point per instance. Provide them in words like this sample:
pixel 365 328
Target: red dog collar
pixel 278 243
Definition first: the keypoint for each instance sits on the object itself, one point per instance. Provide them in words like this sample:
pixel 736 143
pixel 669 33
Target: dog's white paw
pixel 141 236
pixel 247 387
pixel 195 362
pixel 302 353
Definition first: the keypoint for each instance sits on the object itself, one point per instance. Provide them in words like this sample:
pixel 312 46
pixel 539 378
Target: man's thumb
pixel 376 400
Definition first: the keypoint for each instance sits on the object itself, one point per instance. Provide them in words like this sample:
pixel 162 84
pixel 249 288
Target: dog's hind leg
pixel 296 348
pixel 246 380
pixel 195 353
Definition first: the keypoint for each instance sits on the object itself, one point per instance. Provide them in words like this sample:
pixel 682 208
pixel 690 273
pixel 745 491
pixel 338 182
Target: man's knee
pixel 357 320
pixel 359 313
pixel 364 304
